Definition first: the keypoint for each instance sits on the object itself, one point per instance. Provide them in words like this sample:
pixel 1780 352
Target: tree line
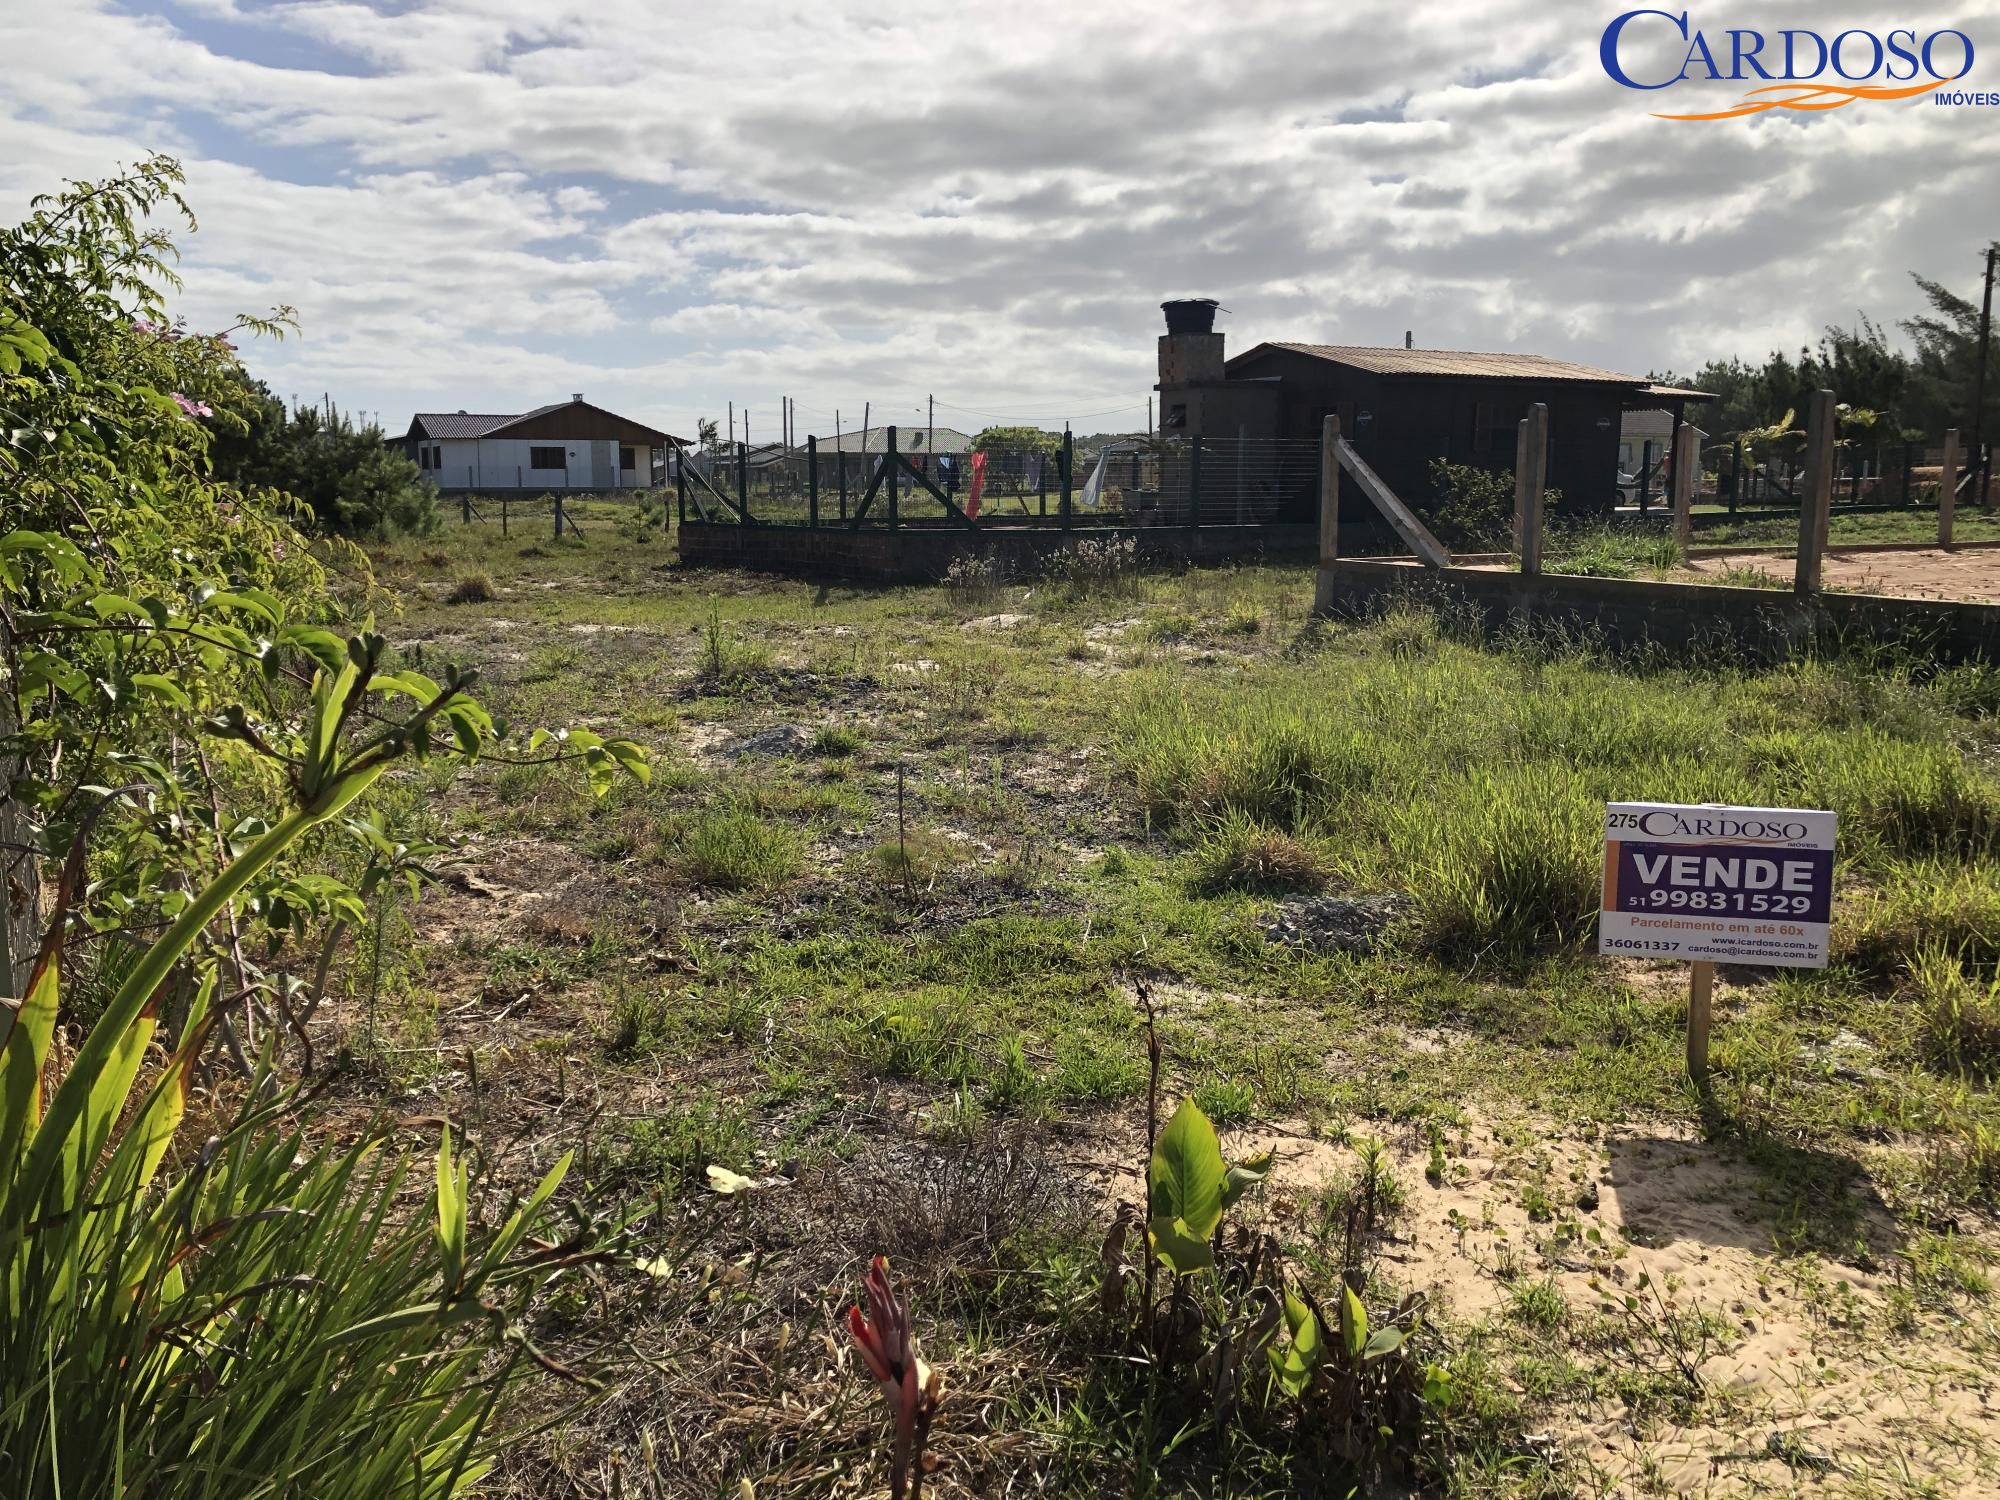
pixel 1913 390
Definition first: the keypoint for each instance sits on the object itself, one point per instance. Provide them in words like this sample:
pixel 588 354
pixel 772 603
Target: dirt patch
pixel 1797 1379
pixel 1930 574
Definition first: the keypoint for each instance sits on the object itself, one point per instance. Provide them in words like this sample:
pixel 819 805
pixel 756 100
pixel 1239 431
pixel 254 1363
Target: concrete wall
pixel 1766 624
pixel 924 554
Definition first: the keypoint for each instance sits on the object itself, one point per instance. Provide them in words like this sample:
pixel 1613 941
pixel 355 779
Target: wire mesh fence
pixel 1139 481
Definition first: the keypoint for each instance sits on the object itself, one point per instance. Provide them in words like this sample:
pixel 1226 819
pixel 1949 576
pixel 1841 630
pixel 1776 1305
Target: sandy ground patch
pixel 1803 1392
pixel 1929 574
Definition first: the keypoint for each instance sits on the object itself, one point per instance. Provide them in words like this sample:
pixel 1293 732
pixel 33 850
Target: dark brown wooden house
pixel 1402 408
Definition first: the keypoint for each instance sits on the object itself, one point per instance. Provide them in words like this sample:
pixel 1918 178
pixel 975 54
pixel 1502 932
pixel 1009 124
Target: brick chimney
pixel 1190 349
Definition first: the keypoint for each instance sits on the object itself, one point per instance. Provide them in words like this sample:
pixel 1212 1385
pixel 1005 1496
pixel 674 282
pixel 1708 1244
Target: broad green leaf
pixel 1383 1342
pixel 1243 1176
pixel 162 687
pixel 1186 1177
pixel 1438 1387
pixel 413 684
pixel 21 1058
pixel 117 606
pixel 323 646
pixel 1292 1365
pixel 1179 1248
pixel 253 601
pixel 1353 1323
pixel 451 1214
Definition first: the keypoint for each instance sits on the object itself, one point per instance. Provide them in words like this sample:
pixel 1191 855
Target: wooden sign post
pixel 1740 885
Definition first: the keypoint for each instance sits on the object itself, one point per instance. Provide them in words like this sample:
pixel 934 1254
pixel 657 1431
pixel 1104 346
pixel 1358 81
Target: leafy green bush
pixel 262 1308
pixel 353 483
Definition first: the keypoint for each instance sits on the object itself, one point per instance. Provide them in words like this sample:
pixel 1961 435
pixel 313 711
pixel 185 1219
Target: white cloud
pixel 479 202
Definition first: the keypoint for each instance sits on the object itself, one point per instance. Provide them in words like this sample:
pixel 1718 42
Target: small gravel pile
pixel 1336 924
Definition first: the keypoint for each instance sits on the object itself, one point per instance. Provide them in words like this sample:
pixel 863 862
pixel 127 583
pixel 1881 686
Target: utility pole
pixel 930 417
pixel 732 424
pixel 1980 451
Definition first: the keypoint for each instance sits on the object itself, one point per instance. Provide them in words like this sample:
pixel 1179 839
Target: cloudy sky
pixel 490 204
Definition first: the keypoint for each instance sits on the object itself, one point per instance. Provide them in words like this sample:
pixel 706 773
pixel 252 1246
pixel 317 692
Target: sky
pixel 494 204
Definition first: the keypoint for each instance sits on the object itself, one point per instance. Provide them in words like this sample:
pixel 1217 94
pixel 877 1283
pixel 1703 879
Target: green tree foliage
pixel 1946 363
pixel 1016 440
pixel 184 728
pixel 1891 394
pixel 347 475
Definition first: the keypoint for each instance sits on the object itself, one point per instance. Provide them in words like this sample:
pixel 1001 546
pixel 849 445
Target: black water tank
pixel 1190 315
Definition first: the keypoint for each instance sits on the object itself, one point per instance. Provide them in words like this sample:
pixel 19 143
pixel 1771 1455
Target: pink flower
pixel 191 407
pixel 144 325
pixel 909 1385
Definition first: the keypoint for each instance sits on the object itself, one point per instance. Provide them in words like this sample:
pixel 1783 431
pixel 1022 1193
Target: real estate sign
pixel 1740 885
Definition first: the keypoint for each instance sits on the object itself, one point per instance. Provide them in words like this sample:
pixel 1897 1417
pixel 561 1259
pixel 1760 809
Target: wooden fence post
pixel 743 475
pixel 1736 478
pixel 558 494
pixel 812 481
pixel 1329 491
pixel 1815 504
pixel 1687 464
pixel 889 473
pixel 1068 461
pixel 1531 473
pixel 1645 473
pixel 1948 488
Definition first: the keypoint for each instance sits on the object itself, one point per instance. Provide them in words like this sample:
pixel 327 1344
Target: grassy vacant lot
pixel 879 936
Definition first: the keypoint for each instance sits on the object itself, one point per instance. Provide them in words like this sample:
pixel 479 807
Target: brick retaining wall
pixel 1763 623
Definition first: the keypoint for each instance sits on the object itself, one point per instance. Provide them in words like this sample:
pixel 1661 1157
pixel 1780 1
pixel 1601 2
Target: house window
pixel 626 459
pixel 423 458
pixel 547 458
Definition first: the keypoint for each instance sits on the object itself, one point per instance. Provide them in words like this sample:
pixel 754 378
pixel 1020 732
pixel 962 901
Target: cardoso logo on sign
pixel 1800 69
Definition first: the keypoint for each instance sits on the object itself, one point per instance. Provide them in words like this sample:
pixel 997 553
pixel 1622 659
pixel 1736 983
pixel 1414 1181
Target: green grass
pixel 1115 791
pixel 733 849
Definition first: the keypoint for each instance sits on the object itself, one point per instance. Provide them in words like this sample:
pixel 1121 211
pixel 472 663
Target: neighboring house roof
pixel 442 426
pixel 450 426
pixel 1684 392
pixel 1456 362
pixel 909 440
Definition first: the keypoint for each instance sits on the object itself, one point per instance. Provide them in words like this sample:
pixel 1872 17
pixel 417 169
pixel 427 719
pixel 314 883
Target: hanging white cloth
pixel 1093 487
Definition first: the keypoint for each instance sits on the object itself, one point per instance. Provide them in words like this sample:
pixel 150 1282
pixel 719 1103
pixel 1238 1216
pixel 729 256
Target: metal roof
pixel 1686 393
pixel 910 440
pixel 1449 362
pixel 442 425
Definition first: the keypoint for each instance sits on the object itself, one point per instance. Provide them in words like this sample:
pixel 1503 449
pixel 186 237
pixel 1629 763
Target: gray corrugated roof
pixel 448 425
pixel 909 440
pixel 443 425
pixel 1450 362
